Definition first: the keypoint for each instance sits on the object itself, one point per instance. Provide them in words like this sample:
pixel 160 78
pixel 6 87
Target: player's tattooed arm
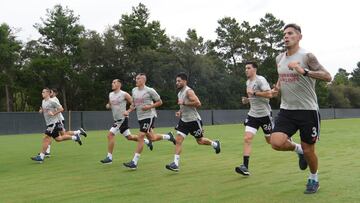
pixel 317 71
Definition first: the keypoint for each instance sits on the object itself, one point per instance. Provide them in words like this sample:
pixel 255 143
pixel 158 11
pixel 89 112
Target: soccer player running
pixel 145 100
pixel 298 70
pixel 118 100
pixel 53 96
pixel 50 110
pixel 190 121
pixel 258 93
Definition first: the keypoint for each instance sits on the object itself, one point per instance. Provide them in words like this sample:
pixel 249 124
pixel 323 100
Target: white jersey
pixel 142 97
pixel 60 115
pixel 118 104
pixel 297 91
pixel 188 113
pixel 47 106
pixel 259 106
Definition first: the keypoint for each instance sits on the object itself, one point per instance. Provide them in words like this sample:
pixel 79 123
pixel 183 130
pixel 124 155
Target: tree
pixel 355 75
pixel 341 77
pixel 337 97
pixel 269 36
pixel 9 63
pixel 61 34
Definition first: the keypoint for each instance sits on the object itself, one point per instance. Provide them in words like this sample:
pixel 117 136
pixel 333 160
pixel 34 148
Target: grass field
pixel 74 173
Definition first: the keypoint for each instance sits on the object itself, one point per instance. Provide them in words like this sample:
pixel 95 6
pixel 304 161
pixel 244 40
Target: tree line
pixel 81 63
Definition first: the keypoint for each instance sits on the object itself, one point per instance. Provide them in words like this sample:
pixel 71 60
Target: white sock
pixel 76 132
pixel 109 155
pixel 146 141
pixel 42 155
pixel 298 148
pixel 48 149
pixel 176 159
pixel 314 176
pixel 136 158
pixel 73 137
pixel 214 144
pixel 166 137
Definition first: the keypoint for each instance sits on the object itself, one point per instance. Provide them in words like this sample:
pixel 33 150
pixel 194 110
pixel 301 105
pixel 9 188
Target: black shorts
pixel 120 126
pixel 264 122
pixel 53 130
pixel 193 127
pixel 62 124
pixel 306 121
pixel 146 124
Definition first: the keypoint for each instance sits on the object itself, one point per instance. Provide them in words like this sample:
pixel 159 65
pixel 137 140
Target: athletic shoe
pixel 312 186
pixel 107 160
pixel 150 145
pixel 78 139
pixel 243 170
pixel 302 162
pixel 172 167
pixel 83 132
pixel 37 158
pixel 131 165
pixel 47 155
pixel 172 139
pixel 218 147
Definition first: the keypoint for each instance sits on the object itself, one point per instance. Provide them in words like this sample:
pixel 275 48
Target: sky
pixel 330 28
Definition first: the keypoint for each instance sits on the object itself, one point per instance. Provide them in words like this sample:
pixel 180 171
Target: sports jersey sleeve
pixel 55 104
pixel 264 85
pixel 154 95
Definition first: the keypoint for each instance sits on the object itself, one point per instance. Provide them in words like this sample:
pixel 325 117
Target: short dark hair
pixel 54 90
pixel 142 74
pixel 253 63
pixel 183 76
pixel 293 25
pixel 47 89
pixel 118 80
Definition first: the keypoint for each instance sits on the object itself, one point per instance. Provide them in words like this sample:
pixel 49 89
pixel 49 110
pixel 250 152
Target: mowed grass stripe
pixel 74 173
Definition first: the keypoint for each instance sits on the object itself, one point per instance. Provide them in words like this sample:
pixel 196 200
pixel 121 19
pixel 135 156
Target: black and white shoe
pixel 243 170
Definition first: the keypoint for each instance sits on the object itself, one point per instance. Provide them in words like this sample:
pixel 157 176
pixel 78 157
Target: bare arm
pixel 129 100
pixel 154 105
pixel 276 89
pixel 108 105
pixel 317 71
pixel 58 110
pixel 193 99
pixel 157 104
pixel 265 94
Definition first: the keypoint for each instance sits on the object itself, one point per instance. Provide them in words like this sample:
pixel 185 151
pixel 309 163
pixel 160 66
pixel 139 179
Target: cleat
pixel 243 170
pixel 312 187
pixel 83 132
pixel 172 139
pixel 218 147
pixel 107 160
pixel 130 165
pixel 172 167
pixel 47 155
pixel 37 158
pixel 150 145
pixel 302 162
pixel 78 139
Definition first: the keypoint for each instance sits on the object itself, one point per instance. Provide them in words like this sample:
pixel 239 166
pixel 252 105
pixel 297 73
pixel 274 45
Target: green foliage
pixel 9 63
pixel 341 77
pixel 355 75
pixel 81 64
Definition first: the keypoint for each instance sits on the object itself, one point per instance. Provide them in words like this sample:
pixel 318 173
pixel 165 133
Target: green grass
pixel 74 173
